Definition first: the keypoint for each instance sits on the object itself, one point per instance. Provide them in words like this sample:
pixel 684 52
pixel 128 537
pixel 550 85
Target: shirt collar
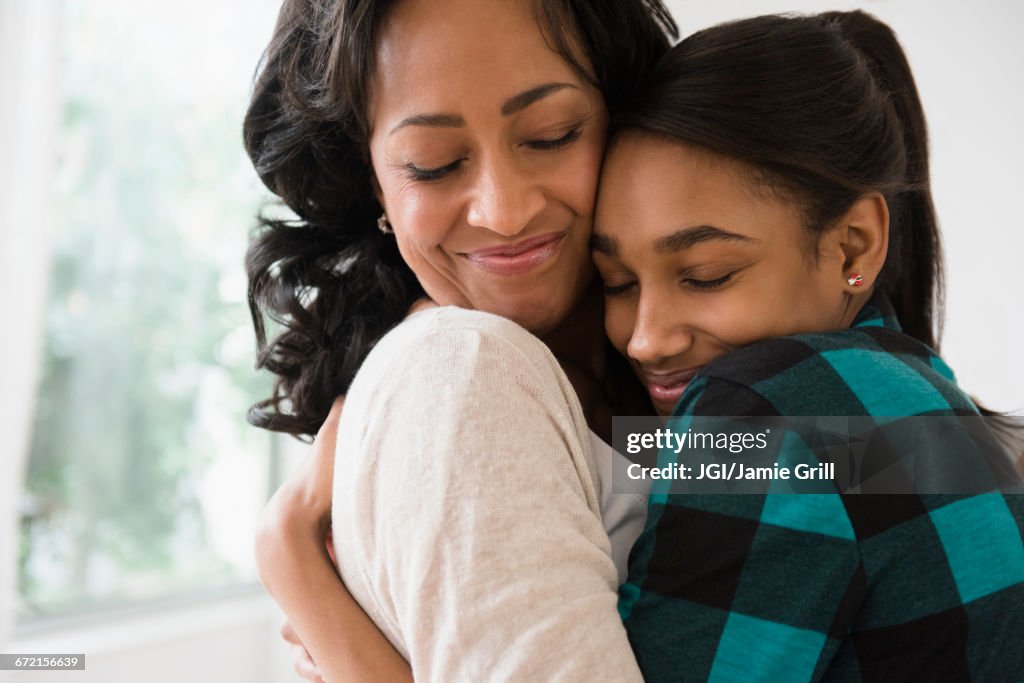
pixel 877 312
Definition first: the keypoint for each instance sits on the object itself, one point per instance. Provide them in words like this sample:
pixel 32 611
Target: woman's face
pixel 486 146
pixel 698 261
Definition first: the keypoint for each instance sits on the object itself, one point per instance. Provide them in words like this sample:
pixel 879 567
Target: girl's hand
pixel 304 665
pixel 332 638
pixel 300 510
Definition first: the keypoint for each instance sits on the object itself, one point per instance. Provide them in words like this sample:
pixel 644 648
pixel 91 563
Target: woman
pixel 741 235
pixel 468 135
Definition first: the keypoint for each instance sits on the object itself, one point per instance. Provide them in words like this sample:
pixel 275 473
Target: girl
pixel 764 227
pixel 768 246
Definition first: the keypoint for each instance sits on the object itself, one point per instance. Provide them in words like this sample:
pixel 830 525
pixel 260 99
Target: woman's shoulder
pixel 443 330
pixel 857 371
pixel 452 357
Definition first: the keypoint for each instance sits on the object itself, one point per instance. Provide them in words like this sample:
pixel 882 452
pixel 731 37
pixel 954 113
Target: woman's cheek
pixel 578 175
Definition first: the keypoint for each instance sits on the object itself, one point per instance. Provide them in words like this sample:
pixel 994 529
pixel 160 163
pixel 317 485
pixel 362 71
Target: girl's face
pixel 486 147
pixel 697 261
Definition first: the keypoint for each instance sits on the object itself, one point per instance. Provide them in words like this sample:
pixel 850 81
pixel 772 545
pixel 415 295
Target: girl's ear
pixel 862 235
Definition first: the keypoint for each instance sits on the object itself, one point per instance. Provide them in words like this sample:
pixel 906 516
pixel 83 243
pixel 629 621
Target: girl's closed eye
pixel 621 287
pixel 713 283
pixel 618 289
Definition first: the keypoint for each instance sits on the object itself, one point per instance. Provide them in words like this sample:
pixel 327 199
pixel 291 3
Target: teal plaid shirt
pixel 828 586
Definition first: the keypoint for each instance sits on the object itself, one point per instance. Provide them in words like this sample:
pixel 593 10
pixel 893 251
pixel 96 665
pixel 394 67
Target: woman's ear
pixel 863 238
pixel 377 192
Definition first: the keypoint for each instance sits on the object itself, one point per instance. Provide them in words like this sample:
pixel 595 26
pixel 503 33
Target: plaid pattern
pixel 828 586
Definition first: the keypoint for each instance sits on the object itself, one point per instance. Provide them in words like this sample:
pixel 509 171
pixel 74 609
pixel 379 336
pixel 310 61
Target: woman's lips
pixel 666 388
pixel 521 257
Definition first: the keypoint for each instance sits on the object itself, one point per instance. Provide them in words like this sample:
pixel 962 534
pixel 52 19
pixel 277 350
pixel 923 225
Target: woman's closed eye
pixel 564 140
pixel 421 174
pixel 432 173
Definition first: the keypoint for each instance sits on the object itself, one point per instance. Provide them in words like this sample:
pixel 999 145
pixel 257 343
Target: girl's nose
pixel 658 333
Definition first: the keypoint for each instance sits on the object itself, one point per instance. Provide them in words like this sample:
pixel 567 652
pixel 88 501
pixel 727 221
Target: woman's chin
pixel 539 320
pixel 540 308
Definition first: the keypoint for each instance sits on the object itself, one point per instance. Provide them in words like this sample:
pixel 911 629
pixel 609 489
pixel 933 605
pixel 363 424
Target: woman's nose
pixel 505 197
pixel 658 333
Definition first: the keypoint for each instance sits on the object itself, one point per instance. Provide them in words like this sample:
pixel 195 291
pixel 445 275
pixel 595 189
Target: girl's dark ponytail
pixel 912 277
pixel 913 272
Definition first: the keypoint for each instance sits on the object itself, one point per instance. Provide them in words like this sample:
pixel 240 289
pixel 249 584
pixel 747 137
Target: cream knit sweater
pixel 467 507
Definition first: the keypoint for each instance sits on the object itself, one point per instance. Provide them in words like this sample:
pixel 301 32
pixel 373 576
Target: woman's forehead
pixel 443 52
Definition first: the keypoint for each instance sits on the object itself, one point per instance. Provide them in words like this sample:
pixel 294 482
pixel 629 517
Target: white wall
pixel 968 60
pixel 28 121
pixel 224 641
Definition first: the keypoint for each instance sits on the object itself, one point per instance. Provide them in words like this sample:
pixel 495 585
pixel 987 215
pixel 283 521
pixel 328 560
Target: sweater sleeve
pixel 466 511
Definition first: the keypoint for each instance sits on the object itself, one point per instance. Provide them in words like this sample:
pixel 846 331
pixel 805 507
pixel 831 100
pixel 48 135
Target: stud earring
pixel 384 226
pixel 855 280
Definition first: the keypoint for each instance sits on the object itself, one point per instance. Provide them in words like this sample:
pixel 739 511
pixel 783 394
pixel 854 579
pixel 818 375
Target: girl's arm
pixel 302 662
pixel 296 569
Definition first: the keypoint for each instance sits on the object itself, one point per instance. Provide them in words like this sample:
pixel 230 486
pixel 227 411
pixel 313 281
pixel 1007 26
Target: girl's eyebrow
pixel 688 237
pixel 603 244
pixel 677 241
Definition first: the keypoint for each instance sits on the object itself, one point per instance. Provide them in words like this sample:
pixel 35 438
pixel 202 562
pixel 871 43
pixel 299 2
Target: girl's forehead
pixel 651 187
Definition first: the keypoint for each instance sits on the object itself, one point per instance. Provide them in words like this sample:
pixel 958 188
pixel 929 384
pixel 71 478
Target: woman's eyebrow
pixel 512 105
pixel 688 237
pixel 431 121
pixel 517 103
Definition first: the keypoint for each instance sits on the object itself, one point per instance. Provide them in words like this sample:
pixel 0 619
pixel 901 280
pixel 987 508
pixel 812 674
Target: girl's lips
pixel 521 257
pixel 666 388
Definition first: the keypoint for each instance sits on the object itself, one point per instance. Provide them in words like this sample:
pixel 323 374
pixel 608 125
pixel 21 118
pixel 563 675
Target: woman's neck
pixel 579 341
pixel 604 385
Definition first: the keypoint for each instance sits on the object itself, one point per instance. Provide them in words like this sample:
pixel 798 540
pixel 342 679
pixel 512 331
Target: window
pixel 144 479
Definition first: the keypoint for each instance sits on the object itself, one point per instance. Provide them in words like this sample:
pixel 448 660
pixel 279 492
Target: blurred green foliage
pixel 149 350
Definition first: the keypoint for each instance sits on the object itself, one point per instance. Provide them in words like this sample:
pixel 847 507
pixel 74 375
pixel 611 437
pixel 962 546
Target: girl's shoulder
pixel 865 370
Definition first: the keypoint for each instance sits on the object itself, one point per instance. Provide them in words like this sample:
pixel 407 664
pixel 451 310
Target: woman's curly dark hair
pixel 329 278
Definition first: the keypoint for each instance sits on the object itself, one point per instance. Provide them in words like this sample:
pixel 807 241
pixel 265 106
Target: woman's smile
pixel 521 257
